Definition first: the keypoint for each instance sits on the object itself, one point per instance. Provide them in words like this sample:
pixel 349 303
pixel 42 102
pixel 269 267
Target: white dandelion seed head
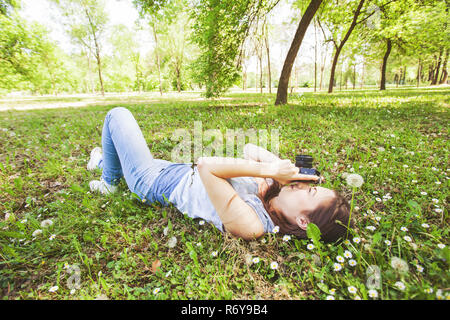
pixel 37 232
pixel 354 180
pixel 46 223
pixel 172 242
pixel 399 264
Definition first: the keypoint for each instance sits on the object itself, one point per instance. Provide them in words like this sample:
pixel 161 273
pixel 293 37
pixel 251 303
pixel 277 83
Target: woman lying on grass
pixel 245 197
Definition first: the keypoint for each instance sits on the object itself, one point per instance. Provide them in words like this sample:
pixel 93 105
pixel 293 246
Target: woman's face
pixel 299 198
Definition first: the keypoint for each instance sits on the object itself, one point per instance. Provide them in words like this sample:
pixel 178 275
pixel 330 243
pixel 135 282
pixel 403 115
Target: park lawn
pixel 117 248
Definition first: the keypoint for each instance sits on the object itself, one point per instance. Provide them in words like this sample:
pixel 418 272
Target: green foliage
pixel 29 60
pixel 7 6
pixel 219 30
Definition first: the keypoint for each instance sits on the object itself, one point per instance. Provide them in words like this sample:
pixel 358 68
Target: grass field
pixel 117 248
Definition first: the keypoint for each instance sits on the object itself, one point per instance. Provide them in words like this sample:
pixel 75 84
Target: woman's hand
pixel 285 172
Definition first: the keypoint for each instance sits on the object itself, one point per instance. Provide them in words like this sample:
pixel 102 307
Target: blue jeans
pixel 126 154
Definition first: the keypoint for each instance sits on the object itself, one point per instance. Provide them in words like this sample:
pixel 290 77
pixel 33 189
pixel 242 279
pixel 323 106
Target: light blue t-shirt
pixel 190 197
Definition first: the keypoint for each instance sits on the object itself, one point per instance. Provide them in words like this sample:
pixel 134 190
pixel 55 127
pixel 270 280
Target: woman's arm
pixel 256 153
pixel 238 217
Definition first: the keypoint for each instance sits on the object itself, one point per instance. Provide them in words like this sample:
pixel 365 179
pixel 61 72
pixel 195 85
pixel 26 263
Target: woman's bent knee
pixel 118 111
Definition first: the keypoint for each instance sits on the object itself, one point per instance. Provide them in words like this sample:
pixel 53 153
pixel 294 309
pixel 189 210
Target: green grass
pixel 117 243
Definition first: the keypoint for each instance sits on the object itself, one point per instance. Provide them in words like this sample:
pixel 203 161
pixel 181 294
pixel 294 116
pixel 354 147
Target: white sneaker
pixel 102 187
pixel 96 156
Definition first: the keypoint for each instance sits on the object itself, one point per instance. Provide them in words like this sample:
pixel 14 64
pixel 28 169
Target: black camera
pixel 305 163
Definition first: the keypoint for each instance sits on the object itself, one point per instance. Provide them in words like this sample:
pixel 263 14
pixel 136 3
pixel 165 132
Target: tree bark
pixel 97 51
pixel 341 45
pixel 383 67
pixel 436 73
pixel 260 73
pixel 99 64
pixel 354 76
pixel 444 74
pixel 419 67
pixel 158 64
pixel 315 56
pixel 362 74
pixel 244 79
pixel 268 59
pixel 282 90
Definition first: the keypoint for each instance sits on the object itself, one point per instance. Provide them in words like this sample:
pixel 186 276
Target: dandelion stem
pixel 351 210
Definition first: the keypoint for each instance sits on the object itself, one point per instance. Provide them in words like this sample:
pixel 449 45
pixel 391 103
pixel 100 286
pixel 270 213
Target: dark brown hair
pixel 325 216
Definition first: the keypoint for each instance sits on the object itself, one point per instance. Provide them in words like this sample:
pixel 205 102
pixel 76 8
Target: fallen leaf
pixel 155 265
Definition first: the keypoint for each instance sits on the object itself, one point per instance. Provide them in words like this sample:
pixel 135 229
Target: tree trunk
pixel 444 74
pixel 268 59
pixel 158 64
pixel 404 76
pixel 293 51
pixel 244 79
pixel 178 72
pixel 436 74
pixel 315 56
pixel 400 77
pixel 419 67
pixel 383 67
pixel 322 67
pixel 354 76
pixel 261 73
pixel 99 63
pixel 362 74
pixel 341 45
pixel 97 51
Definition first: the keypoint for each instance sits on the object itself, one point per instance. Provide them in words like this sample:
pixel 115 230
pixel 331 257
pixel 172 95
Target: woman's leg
pixel 126 154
